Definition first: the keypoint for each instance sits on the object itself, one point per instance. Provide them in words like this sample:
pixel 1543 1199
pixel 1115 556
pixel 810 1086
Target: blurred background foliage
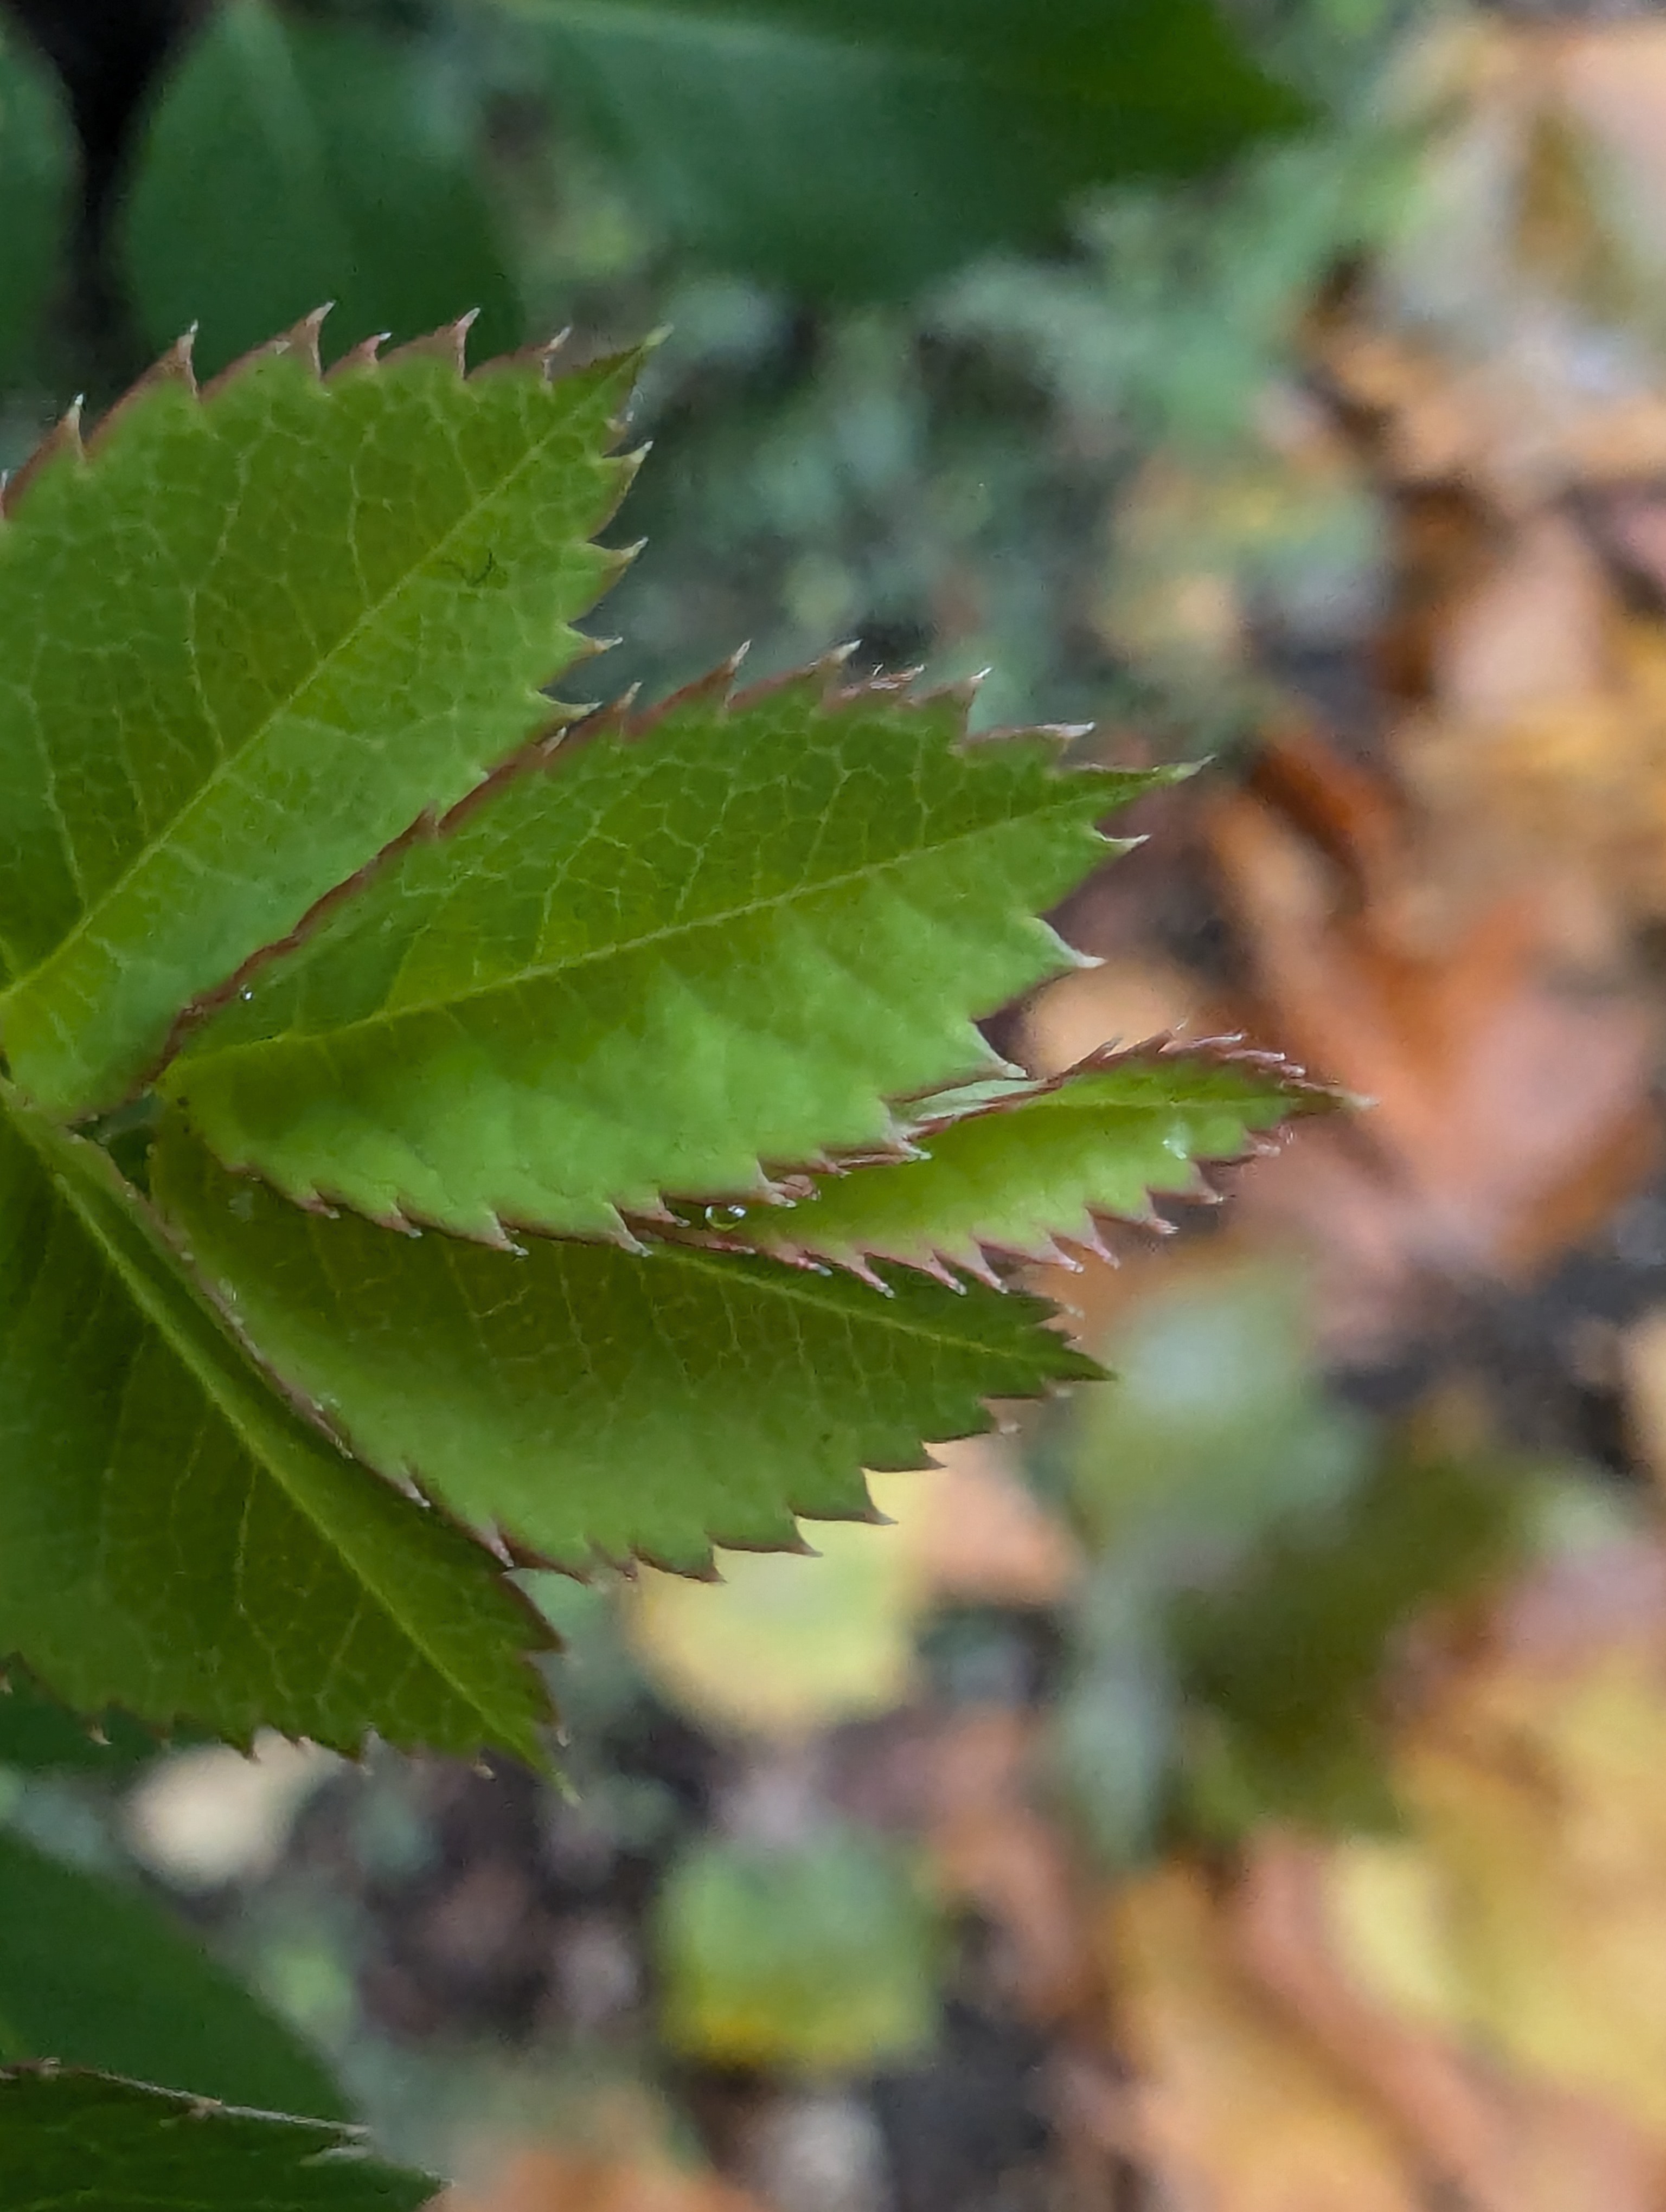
pixel 1240 1789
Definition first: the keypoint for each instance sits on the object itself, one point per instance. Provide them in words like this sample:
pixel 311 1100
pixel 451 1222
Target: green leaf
pixel 862 147
pixel 290 160
pixel 177 1540
pixel 1283 1670
pixel 262 630
pixel 815 1958
pixel 649 958
pixel 70 2140
pixel 1021 1165
pixel 586 1400
pixel 98 1975
pixel 38 1735
pixel 36 178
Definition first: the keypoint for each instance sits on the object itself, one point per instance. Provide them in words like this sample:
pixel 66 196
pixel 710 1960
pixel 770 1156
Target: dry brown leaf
pixel 555 2181
pixel 1538 1783
pixel 1511 1104
pixel 1237 2107
pixel 1121 1000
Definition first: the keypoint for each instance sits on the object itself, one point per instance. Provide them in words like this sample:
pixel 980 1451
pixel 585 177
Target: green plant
pixel 408 161
pixel 443 1132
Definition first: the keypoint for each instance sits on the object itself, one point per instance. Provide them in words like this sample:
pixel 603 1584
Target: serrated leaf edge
pixel 1061 1246
pixel 67 442
pixel 621 723
pixel 513 1551
pixel 540 1638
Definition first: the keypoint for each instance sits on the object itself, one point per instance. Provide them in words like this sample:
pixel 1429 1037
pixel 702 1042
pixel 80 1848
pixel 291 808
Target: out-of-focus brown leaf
pixel 1512 1107
pixel 1239 2108
pixel 1309 1924
pixel 992 1849
pixel 1496 1976
pixel 1538 249
pixel 1122 1001
pixel 556 2181
pixel 976 1534
pixel 1544 745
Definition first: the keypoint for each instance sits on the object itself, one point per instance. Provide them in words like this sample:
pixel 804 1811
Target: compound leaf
pixel 647 960
pixel 257 631
pixel 863 146
pixel 175 1539
pixel 71 2139
pixel 98 1975
pixel 586 1400
pixel 291 159
pixel 1019 1165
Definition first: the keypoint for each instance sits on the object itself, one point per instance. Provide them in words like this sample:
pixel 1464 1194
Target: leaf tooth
pixel 366 355
pixel 449 343
pixel 64 438
pixel 303 339
pixel 291 341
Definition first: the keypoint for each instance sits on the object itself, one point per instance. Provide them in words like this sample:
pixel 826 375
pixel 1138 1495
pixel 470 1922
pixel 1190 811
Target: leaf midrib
pixel 283 710
pixel 223 1397
pixel 385 1016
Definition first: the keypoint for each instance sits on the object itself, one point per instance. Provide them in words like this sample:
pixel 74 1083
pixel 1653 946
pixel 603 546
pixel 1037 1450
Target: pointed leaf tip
pixel 1010 1169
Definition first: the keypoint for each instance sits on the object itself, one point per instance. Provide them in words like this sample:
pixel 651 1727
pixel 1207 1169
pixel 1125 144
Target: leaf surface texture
pixel 587 1400
pixel 257 633
pixel 647 962
pixel 176 1539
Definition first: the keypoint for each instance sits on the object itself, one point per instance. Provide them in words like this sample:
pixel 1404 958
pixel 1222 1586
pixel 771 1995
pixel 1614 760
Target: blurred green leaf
pixel 83 2140
pixel 290 161
pixel 1219 1427
pixel 817 1957
pixel 97 1976
pixel 1282 1670
pixel 40 1736
pixel 37 172
pixel 862 147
